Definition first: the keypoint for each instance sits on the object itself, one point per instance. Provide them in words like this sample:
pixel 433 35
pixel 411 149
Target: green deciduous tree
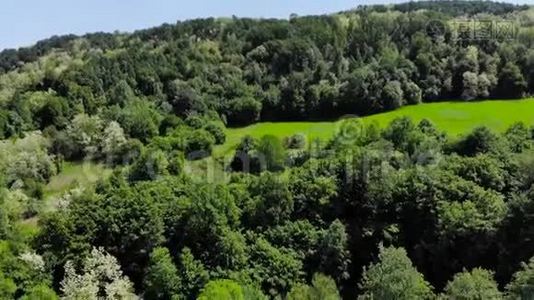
pixel 53 113
pixel 124 221
pixel 522 284
pixel 334 257
pixel 480 140
pixel 221 289
pixel 7 287
pixel 192 273
pixel 518 137
pixel 322 288
pixel 413 93
pixel 271 203
pixel 277 270
pixel 217 131
pixel 477 284
pixel 394 277
pixel 40 292
pixel 162 280
pixel 140 120
pixel 149 166
pixel 83 137
pixel 511 81
pixel 113 142
pixel 392 95
pixel 199 144
pixel 243 111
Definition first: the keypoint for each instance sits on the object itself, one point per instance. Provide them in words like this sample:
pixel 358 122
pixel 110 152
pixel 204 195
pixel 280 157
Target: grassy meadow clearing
pixel 455 118
pixel 73 175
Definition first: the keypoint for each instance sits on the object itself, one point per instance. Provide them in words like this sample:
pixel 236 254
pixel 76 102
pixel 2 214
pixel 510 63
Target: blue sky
pixel 23 22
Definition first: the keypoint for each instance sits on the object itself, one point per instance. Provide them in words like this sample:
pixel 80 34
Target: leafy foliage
pixel 477 284
pixel 151 103
pixel 101 275
pixel 394 277
pixel 322 287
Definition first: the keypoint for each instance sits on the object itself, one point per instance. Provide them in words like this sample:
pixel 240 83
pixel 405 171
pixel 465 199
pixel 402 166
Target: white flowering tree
pixel 100 279
pixel 113 141
pixel 26 158
pixel 85 132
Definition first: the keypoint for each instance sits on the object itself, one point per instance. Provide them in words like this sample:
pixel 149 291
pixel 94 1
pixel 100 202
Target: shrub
pixel 242 111
pixel 199 144
pixel 194 121
pixel 217 132
pixel 296 141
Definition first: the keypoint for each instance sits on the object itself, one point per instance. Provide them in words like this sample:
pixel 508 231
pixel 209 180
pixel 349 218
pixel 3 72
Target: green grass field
pixel 73 175
pixel 453 117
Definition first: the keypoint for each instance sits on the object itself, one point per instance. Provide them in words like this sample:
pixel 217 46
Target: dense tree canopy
pixel 402 211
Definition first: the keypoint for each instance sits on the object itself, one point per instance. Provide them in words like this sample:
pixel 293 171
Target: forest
pixel 403 211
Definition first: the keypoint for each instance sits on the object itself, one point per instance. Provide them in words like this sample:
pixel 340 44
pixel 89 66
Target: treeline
pixel 246 70
pixel 10 59
pixel 460 8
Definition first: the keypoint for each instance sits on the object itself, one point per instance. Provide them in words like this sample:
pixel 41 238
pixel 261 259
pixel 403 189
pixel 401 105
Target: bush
pixel 34 189
pixel 140 120
pixel 131 150
pixel 243 111
pixel 413 93
pixel 297 158
pixel 223 290
pixel 53 113
pixel 199 144
pixel 521 286
pixel 518 137
pixel 150 165
pixel 392 95
pixel 194 121
pixel 477 284
pixel 169 122
pixel 296 141
pixel 217 132
pixel 176 163
pixel 480 140
pixel 40 292
pixel 393 277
